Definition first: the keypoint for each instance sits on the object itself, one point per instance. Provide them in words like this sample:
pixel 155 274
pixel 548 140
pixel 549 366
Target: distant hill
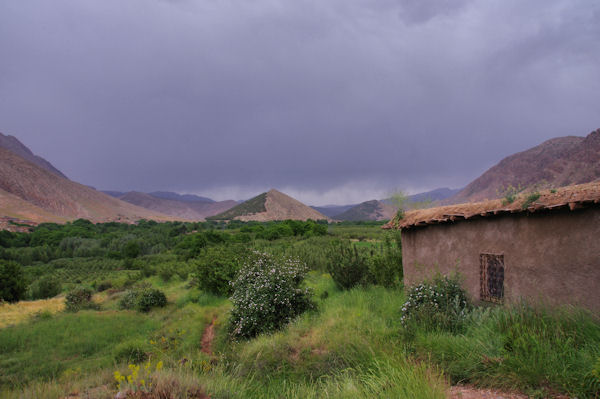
pixel 557 162
pixel 189 210
pixel 272 205
pixel 332 210
pixel 439 194
pixel 13 144
pixel 179 197
pixel 368 210
pixel 434 195
pixel 31 192
pixel 362 210
pixel 112 193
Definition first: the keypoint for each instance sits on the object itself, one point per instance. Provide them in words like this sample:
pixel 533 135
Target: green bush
pixel 12 281
pixel 166 271
pixel 150 298
pixel 217 267
pixel 441 304
pixel 385 267
pixel 45 287
pixel 347 265
pixel 78 299
pixel 131 352
pixel 147 270
pixel 143 299
pixel 104 285
pixel 267 295
pixel 128 300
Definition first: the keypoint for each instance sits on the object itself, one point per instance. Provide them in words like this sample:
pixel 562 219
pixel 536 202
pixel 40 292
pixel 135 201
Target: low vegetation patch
pixel 437 305
pixel 44 349
pixel 143 299
pixel 78 299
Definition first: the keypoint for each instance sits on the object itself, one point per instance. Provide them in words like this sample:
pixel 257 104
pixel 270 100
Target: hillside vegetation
pixel 349 328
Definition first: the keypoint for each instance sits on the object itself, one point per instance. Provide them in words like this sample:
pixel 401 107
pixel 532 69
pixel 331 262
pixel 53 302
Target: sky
pixel 330 101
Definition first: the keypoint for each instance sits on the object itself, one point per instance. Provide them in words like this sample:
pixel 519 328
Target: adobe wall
pixel 552 257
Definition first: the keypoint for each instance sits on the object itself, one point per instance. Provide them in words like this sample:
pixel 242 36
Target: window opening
pixel 491 277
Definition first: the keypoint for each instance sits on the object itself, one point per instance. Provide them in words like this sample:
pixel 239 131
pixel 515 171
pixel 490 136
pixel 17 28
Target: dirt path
pixel 466 392
pixel 469 392
pixel 208 337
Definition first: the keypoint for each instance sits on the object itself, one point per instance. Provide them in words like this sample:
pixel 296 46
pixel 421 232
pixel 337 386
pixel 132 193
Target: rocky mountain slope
pixel 33 193
pixel 13 144
pixel 368 210
pixel 269 206
pixel 181 209
pixel 557 162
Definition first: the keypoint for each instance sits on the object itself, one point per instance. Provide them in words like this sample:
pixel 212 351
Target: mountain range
pixel 12 144
pixel 382 209
pixel 187 207
pixel 557 162
pixel 32 190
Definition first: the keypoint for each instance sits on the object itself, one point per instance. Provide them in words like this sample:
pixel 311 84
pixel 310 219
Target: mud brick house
pixel 542 250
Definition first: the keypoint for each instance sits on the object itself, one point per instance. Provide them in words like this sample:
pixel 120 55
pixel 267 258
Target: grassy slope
pixel 353 346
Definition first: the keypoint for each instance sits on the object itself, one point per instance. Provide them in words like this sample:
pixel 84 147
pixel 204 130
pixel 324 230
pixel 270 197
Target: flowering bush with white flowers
pixel 440 304
pixel 267 294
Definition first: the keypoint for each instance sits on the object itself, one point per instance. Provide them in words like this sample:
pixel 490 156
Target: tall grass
pixel 349 348
pixel 535 350
pixel 45 349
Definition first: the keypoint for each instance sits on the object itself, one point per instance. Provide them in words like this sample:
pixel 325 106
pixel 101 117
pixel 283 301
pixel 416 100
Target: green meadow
pixel 350 341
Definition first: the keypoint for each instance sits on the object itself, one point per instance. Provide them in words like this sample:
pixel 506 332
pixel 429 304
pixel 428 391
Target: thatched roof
pixel 570 197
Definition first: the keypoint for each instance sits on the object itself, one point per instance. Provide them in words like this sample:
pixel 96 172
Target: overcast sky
pixel 330 101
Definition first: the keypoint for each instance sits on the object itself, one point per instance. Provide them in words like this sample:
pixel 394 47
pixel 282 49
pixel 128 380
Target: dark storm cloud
pixel 333 101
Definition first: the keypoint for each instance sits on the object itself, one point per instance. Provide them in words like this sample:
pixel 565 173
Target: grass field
pixel 351 345
pixel 16 313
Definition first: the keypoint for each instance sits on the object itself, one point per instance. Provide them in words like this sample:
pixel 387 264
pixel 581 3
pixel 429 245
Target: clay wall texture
pixel 551 257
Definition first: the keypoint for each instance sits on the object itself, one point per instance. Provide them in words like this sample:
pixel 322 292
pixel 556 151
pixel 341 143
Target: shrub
pixel 385 268
pixel 45 287
pixel 217 267
pixel 104 285
pixel 128 300
pixel 347 266
pixel 441 304
pixel 147 270
pixel 131 351
pixel 150 298
pixel 12 281
pixel 267 295
pixel 166 271
pixel 78 299
pixel 530 199
pixel 143 299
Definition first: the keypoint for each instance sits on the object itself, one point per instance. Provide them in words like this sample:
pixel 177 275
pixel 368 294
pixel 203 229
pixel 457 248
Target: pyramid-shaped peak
pixel 268 206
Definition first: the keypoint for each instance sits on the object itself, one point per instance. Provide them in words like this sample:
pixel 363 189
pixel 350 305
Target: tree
pixel 131 249
pixel 399 200
pixel 12 281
